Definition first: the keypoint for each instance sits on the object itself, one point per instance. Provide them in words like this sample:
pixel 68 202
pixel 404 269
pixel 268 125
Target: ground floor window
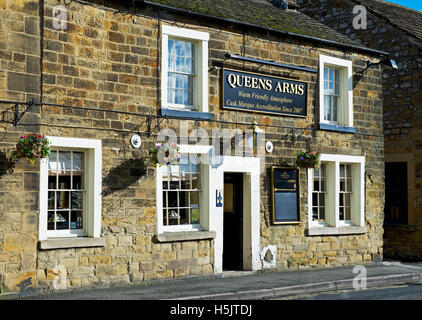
pixel 336 191
pixel 70 189
pixel 181 192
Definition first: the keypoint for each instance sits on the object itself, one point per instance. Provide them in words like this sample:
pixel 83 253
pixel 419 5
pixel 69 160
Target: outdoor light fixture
pixel 385 61
pixel 256 134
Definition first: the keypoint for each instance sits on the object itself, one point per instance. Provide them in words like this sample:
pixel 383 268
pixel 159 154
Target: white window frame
pixel 332 217
pixel 92 221
pixel 345 101
pixel 203 152
pixel 200 90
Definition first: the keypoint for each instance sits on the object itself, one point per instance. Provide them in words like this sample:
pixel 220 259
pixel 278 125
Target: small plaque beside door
pixel 285 195
pixel 219 198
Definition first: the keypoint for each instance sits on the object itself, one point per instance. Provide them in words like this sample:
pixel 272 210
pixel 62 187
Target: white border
pixel 94 149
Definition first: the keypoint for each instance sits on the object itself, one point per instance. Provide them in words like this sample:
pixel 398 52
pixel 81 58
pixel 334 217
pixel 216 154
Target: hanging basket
pixel 31 146
pixel 308 159
pixel 165 154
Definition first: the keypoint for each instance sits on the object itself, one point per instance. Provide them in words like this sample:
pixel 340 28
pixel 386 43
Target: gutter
pixel 266 29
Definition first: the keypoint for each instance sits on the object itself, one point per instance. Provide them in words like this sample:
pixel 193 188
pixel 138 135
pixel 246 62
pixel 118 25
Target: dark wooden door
pixel 396 197
pixel 233 221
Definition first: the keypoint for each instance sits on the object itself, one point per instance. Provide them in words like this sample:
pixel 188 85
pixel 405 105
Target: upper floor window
pixel 184 69
pixel 336 92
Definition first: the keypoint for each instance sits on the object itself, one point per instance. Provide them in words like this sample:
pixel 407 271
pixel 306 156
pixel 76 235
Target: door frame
pixel 250 167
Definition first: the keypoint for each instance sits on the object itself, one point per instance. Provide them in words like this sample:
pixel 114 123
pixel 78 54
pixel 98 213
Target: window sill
pixel 76 242
pixel 185 236
pixel 343 230
pixel 337 128
pixel 185 114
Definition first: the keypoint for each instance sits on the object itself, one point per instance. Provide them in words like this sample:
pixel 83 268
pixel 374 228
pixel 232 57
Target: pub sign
pixel 266 94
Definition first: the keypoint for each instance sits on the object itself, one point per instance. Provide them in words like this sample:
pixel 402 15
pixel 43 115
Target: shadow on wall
pixel 6 166
pixel 124 175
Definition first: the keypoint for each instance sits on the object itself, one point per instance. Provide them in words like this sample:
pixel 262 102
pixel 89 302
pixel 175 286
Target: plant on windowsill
pixel 307 159
pixel 165 154
pixel 31 146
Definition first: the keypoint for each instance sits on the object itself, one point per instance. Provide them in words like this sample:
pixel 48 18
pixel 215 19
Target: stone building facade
pixel 97 212
pixel 396 30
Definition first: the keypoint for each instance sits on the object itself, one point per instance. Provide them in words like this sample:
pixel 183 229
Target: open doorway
pixel 233 221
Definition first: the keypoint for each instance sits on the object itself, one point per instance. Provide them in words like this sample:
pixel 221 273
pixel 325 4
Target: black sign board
pixel 258 93
pixel 285 195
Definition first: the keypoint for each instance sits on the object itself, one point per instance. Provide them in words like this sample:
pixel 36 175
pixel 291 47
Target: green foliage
pixel 31 146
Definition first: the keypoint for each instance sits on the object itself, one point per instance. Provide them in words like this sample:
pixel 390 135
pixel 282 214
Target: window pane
pixel 172 199
pixel 180 64
pixel 315 199
pixel 322 213
pixel 184 216
pixel 52 182
pixel 62 220
pixel 173 217
pixel 76 200
pixel 171 47
pixel 342 171
pixel 180 48
pixel 315 213
pixel 347 213
pixel 194 199
pixel 77 181
pixel 51 200
pixel 62 199
pixel 50 220
pixel 178 98
pixel 76 220
pixel 52 160
pixel 195 216
pixel 322 199
pixel 78 161
pixel 64 160
pixel 64 181
pixel 183 199
pixel 180 81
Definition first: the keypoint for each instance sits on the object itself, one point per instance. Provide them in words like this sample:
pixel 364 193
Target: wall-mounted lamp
pixel 256 137
pixel 384 61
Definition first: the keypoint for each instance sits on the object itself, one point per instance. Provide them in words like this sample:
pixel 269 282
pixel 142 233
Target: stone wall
pixel 402 106
pixel 105 60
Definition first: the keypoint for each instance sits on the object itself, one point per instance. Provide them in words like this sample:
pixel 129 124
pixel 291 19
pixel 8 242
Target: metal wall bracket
pixel 20 110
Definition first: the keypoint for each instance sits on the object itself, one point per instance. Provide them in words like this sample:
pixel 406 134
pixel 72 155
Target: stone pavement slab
pixel 247 285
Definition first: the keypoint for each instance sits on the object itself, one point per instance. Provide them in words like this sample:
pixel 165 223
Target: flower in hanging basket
pixel 31 146
pixel 164 154
pixel 308 159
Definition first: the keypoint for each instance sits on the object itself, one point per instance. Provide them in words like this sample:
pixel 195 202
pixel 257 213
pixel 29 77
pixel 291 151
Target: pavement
pixel 246 285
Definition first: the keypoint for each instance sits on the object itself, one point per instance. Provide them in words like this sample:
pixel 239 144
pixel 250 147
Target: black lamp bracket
pixel 20 109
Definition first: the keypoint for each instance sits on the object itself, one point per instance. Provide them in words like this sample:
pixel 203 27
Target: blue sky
pixel 414 4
